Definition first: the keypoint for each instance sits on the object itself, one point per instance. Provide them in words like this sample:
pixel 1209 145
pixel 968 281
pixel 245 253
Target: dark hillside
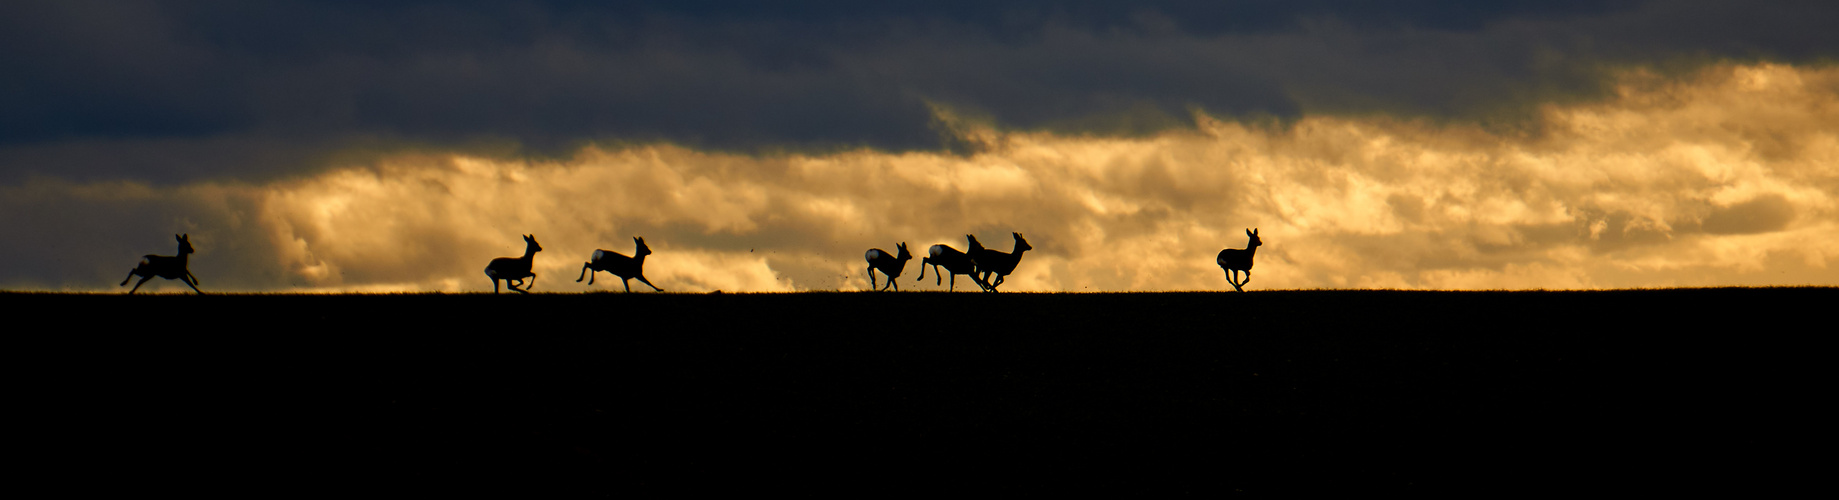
pixel 1652 390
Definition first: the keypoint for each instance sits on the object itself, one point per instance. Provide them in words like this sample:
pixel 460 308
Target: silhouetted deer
pixel 513 270
pixel 169 267
pixel 890 265
pixel 955 263
pixel 991 261
pixel 620 265
pixel 1234 260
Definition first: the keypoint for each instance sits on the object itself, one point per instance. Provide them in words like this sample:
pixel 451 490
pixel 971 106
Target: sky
pixel 359 146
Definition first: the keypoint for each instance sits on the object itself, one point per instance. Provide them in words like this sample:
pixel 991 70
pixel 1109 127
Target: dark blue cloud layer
pixel 179 90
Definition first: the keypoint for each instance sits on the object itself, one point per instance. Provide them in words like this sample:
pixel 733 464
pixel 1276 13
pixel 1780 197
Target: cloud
pixel 1725 177
pixel 174 92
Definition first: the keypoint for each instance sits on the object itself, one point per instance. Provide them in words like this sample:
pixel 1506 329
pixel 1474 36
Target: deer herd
pixel 979 263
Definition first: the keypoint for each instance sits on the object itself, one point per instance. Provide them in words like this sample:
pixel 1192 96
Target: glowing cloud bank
pixel 1728 177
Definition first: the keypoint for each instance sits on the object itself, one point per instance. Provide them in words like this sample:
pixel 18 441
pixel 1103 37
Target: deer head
pixel 185 243
pixel 643 250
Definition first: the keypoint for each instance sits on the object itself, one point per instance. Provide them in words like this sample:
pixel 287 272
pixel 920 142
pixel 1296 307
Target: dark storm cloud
pixel 170 91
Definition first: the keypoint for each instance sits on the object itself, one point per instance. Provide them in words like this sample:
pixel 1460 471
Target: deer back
pixel 617 263
pixel 953 260
pixel 164 266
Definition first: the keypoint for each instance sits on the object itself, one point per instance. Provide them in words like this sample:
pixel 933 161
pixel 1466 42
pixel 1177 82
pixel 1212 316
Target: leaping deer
pixel 620 265
pixel 991 261
pixel 513 270
pixel 1234 260
pixel 890 265
pixel 955 263
pixel 169 267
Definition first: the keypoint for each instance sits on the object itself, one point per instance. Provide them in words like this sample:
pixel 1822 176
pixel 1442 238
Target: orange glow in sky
pixel 1724 177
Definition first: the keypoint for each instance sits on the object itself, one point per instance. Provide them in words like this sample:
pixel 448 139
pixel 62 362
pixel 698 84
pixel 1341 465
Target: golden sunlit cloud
pixel 1725 178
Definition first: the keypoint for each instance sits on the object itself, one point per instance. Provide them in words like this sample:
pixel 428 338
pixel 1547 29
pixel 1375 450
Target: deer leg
pixel 130 277
pixel 584 267
pixel 494 285
pixel 648 283
pixel 628 284
pixel 143 281
pixel 871 278
pixel 192 282
pixel 532 282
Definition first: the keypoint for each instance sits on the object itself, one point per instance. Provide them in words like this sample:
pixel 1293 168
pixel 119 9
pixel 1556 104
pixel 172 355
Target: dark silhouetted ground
pixel 878 393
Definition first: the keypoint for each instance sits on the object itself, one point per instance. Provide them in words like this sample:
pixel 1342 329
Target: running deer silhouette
pixel 513 270
pixel 169 267
pixel 1234 260
pixel 890 265
pixel 994 262
pixel 620 265
pixel 955 263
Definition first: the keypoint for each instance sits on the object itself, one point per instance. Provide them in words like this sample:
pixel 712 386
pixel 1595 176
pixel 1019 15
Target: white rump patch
pixel 491 272
pixel 599 254
pixel 873 255
pixel 936 250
